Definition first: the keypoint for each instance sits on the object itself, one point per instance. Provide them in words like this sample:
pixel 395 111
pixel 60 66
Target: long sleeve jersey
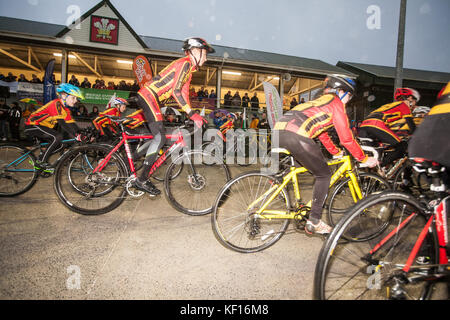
pixel 312 119
pixel 172 81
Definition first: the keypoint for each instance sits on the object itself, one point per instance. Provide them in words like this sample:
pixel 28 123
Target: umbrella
pixel 164 110
pixel 31 101
pixel 225 112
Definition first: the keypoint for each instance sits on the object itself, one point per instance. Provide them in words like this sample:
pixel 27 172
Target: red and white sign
pixel 104 30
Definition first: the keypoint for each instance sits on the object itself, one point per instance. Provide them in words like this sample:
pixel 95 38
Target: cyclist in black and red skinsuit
pixel 387 124
pixel 299 126
pixel 172 81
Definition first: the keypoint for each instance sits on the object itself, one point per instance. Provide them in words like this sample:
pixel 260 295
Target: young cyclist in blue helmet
pixel 42 122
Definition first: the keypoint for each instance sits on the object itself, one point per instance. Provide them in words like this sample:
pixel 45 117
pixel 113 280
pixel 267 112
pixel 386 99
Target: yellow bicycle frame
pixel 344 170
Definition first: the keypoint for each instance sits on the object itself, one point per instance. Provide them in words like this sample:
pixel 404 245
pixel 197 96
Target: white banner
pixel 273 104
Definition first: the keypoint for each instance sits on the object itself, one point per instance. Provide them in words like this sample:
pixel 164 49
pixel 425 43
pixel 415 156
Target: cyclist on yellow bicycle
pixel 299 126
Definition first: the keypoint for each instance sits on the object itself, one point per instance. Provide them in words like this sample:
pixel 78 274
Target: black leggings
pixel 309 154
pixel 53 137
pixel 382 136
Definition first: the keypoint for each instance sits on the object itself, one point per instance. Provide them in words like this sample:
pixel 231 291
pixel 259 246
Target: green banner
pixel 102 97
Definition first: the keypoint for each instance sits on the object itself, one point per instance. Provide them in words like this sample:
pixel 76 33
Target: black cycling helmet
pixel 191 43
pixel 339 82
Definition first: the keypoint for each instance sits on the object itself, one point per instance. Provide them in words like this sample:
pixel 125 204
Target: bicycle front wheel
pixel 85 192
pixel 17 171
pixel 342 197
pixel 234 220
pixel 192 181
pixel 350 269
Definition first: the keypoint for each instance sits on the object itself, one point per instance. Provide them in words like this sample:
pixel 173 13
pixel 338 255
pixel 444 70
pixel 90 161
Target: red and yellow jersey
pixel 172 81
pixel 394 115
pixel 101 121
pixel 49 114
pixel 136 119
pixel 314 118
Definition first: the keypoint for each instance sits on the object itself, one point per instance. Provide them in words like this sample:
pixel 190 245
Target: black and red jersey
pixel 312 119
pixel 394 118
pixel 172 81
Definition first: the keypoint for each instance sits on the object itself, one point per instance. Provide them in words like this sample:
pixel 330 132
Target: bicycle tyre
pixel 232 203
pixel 189 193
pixel 28 160
pixel 332 269
pixel 341 199
pixel 72 197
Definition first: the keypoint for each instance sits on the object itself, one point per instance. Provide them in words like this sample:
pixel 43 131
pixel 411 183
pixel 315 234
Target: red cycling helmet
pixel 403 93
pixel 119 100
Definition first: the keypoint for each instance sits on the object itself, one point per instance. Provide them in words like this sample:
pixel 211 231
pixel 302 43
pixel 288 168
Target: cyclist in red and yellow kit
pixel 300 125
pixel 388 123
pixel 172 81
pixel 41 123
pixel 103 124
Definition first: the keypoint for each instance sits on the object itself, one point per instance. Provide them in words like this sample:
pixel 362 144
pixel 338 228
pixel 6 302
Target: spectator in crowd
pixel 294 102
pixel 14 116
pixel 10 78
pixel 135 87
pixel 201 94
pixel 192 93
pixel 86 83
pixel 111 86
pixel 4 110
pixel 74 81
pixel 255 101
pixel 213 96
pixel 35 79
pixel 82 111
pixel 102 85
pixel 219 119
pixel 255 122
pixel 22 78
pixel 227 99
pixel 245 100
pixel 123 86
pixel 237 101
pixel 94 113
pixel 302 101
pixel 264 123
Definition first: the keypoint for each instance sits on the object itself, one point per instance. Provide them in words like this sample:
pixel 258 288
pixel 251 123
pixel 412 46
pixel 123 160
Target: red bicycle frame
pixel 179 142
pixel 439 218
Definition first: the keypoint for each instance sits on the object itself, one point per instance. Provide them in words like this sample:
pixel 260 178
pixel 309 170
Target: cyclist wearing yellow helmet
pixel 41 123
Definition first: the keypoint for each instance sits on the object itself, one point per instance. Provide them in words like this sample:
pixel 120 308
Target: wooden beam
pixel 29 65
pixel 86 64
pixel 253 82
pixel 269 78
pixel 307 89
pixel 294 86
pixel 209 75
pixel 35 58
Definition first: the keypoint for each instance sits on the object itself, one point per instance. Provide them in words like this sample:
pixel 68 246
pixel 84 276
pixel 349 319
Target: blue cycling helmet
pixel 71 90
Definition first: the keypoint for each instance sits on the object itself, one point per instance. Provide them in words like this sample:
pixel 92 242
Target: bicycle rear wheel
pixel 85 192
pixel 193 180
pixel 234 220
pixel 17 171
pixel 341 199
pixel 349 268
